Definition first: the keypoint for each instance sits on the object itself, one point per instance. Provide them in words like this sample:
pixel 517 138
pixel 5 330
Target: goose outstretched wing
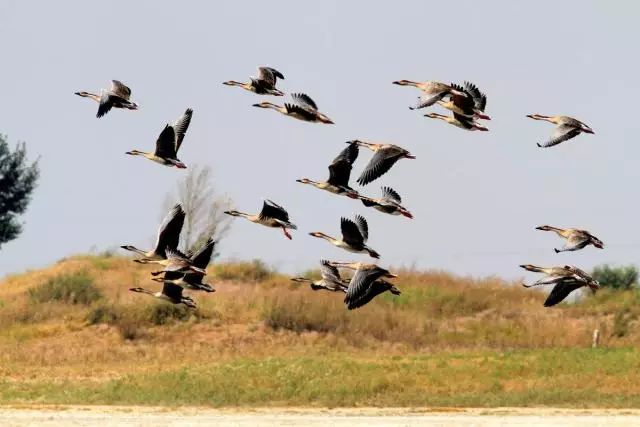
pixel 351 233
pixel 180 127
pixel 120 89
pixel 269 76
pixel 272 210
pixel 169 230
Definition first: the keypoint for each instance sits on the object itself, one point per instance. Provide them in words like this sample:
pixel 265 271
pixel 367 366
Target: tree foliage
pixel 623 277
pixel 18 179
pixel 203 206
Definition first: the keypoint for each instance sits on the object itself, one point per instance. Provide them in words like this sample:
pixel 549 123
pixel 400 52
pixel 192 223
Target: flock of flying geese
pixel 467 104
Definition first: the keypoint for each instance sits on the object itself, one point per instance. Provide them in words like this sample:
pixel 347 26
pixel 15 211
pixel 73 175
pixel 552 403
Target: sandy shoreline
pixel 62 415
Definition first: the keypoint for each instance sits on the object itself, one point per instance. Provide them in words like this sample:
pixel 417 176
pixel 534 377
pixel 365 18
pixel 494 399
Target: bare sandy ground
pixel 64 416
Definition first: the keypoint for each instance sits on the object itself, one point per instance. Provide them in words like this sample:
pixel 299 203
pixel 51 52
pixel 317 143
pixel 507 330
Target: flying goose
pixel 576 238
pixel 566 128
pixel 330 281
pixel 339 173
pixel 366 283
pixel 566 280
pixel 371 291
pixel 175 261
pixel 168 235
pixel 386 155
pixel 432 92
pixel 271 215
pixel 191 280
pixel 471 106
pixel 264 84
pixel 389 203
pixel 168 143
pixel 116 97
pixel 553 273
pixel 302 108
pixel 563 271
pixel 170 293
pixel 459 121
pixel 564 286
pixel 354 236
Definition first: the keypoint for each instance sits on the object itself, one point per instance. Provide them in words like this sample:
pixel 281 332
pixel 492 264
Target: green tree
pixel 18 179
pixel 623 277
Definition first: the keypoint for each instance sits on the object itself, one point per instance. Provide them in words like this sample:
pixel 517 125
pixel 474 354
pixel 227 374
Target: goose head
pixel 135 153
pixel 436 116
pixel 537 117
pixel 320 235
pixel 404 83
pixel 266 104
pixel 305 181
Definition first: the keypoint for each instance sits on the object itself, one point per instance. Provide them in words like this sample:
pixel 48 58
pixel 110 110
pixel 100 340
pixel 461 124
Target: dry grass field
pixel 74 334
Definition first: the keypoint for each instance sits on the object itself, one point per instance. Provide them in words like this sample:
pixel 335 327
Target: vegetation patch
pixel 556 377
pixel 254 271
pixel 70 288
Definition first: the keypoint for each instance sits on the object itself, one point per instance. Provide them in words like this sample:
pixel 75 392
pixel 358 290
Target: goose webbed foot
pixel 286 233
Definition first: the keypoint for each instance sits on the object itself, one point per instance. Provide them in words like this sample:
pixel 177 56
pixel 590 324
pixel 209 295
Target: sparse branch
pixel 204 208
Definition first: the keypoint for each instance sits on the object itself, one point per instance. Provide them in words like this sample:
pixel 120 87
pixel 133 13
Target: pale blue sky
pixel 476 196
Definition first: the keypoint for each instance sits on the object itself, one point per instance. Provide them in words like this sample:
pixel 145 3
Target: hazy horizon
pixel 476 196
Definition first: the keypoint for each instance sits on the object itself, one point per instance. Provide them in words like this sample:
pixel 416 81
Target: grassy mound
pixel 73 333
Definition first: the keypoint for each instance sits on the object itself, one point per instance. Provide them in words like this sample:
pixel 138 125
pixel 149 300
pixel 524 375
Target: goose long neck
pixel 139 153
pixel 533 268
pixel 309 181
pixel 274 107
pixel 556 230
pixel 143 291
pixel 234 83
pixel 408 83
pixel 541 117
pixel 349 265
pixel 364 144
pixel 325 237
pixel 134 249
pixel 89 95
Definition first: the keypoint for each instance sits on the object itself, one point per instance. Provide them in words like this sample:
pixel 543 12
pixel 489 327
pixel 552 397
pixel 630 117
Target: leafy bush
pixel 103 314
pixel 161 314
pixel 122 318
pixel 298 314
pixel 130 321
pixel 624 277
pixel 130 329
pixel 71 288
pixel 254 271
pixel 621 323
